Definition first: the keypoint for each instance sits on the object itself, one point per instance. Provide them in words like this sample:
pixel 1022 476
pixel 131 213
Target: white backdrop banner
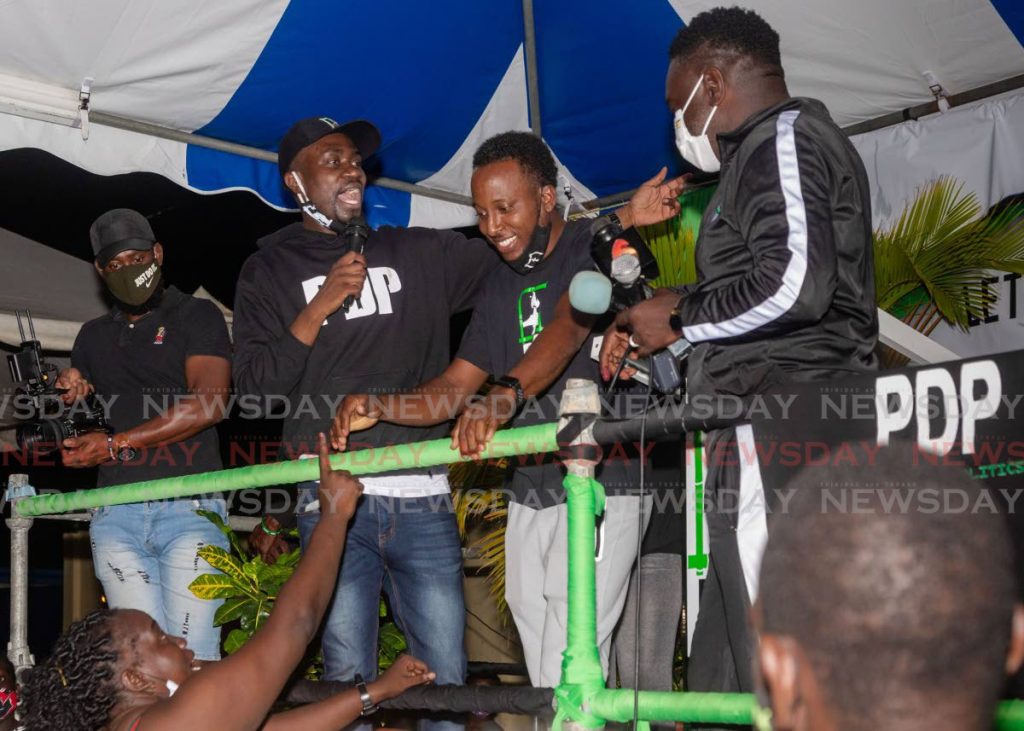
pixel 982 146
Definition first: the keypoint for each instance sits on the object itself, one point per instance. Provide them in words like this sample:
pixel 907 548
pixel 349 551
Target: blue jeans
pixel 145 556
pixel 410 548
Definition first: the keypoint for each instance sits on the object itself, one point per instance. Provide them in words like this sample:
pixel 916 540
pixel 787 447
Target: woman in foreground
pixel 117 671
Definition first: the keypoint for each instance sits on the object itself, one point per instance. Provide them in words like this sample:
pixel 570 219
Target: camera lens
pixel 42 436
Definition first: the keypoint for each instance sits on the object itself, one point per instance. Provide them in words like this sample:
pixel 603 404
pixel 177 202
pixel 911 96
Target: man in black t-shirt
pixel 298 341
pixel 160 365
pixel 525 334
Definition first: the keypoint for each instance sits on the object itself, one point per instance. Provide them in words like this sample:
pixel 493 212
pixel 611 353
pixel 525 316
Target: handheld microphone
pixel 605 236
pixel 353 237
pixel 590 292
pixel 626 272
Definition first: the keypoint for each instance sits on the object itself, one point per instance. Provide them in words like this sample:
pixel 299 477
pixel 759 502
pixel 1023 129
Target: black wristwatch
pixel 512 383
pixel 675 318
pixel 369 707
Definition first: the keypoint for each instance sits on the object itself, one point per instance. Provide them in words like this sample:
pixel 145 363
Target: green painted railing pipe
pixel 1010 716
pixel 729 708
pixel 509 443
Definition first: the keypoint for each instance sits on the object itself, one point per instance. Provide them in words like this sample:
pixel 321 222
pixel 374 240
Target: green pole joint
pixel 536 439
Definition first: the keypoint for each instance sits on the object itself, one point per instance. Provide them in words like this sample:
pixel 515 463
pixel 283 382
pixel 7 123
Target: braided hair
pixel 75 689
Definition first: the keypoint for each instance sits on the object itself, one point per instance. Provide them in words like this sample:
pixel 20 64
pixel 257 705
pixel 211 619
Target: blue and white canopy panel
pixel 440 77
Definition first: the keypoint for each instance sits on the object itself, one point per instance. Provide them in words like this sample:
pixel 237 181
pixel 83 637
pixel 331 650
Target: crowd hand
pixel 404 673
pixel 355 413
pixel 344 279
pixel 88 450
pixel 614 347
pixel 73 385
pixel 657 199
pixel 476 426
pixel 648 323
pixel 267 546
pixel 339 490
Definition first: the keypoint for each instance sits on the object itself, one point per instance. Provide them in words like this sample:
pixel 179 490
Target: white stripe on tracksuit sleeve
pixel 784 216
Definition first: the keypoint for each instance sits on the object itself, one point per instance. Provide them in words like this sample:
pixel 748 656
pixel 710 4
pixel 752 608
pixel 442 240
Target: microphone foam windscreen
pixel 590 292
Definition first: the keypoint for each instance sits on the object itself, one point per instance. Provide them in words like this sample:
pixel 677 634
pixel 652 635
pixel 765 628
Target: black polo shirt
pixel 138 370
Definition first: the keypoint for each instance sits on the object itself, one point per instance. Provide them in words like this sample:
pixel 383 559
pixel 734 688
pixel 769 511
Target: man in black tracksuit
pixel 785 288
pixel 296 338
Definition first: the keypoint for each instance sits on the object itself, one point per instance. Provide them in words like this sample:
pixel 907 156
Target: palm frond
pixel 477 497
pixel 941 244
pixel 673 241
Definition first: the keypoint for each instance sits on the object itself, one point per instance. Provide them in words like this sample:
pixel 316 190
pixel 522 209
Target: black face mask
pixel 532 258
pixel 148 306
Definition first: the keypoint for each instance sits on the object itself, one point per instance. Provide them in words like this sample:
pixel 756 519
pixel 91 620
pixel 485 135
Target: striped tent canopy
pixel 440 77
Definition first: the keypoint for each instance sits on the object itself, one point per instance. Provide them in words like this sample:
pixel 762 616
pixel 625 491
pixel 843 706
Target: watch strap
pixel 511 382
pixel 675 317
pixel 369 706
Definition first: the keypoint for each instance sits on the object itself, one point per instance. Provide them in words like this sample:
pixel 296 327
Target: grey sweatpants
pixel 536 579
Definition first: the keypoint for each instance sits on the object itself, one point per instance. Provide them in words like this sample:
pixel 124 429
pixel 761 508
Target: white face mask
pixel 172 688
pixel 696 150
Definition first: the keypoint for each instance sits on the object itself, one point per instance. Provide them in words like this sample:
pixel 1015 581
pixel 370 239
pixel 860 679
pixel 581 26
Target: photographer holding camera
pixel 161 362
pixel 785 288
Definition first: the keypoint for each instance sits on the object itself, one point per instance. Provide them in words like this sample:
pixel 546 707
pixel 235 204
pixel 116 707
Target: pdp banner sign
pixel 964 415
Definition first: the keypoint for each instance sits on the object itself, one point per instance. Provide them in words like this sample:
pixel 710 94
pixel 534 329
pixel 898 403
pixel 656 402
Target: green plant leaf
pixel 673 242
pixel 236 543
pixel 392 644
pixel 231 609
pixel 941 244
pixel 235 640
pixel 215 586
pixel 290 559
pixel 223 561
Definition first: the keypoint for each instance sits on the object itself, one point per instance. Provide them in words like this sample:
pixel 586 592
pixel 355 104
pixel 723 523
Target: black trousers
pixel 722 654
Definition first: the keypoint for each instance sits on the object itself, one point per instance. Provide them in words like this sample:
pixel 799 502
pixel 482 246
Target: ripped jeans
pixel 145 556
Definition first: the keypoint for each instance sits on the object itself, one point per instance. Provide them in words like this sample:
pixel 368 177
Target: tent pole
pixel 532 80
pixel 887 120
pixel 154 130
pixel 921 110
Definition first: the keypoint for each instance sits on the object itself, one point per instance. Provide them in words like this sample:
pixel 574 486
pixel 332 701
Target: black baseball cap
pixel 121 229
pixel 364 135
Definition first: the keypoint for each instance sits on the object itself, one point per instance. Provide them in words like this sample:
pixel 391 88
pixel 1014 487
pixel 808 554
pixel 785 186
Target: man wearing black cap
pixel 160 363
pixel 296 337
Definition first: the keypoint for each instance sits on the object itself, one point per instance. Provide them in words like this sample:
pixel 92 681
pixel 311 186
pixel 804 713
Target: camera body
pixel 37 379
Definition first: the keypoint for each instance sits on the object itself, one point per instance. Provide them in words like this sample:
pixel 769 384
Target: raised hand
pixel 656 200
pixel 339 490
